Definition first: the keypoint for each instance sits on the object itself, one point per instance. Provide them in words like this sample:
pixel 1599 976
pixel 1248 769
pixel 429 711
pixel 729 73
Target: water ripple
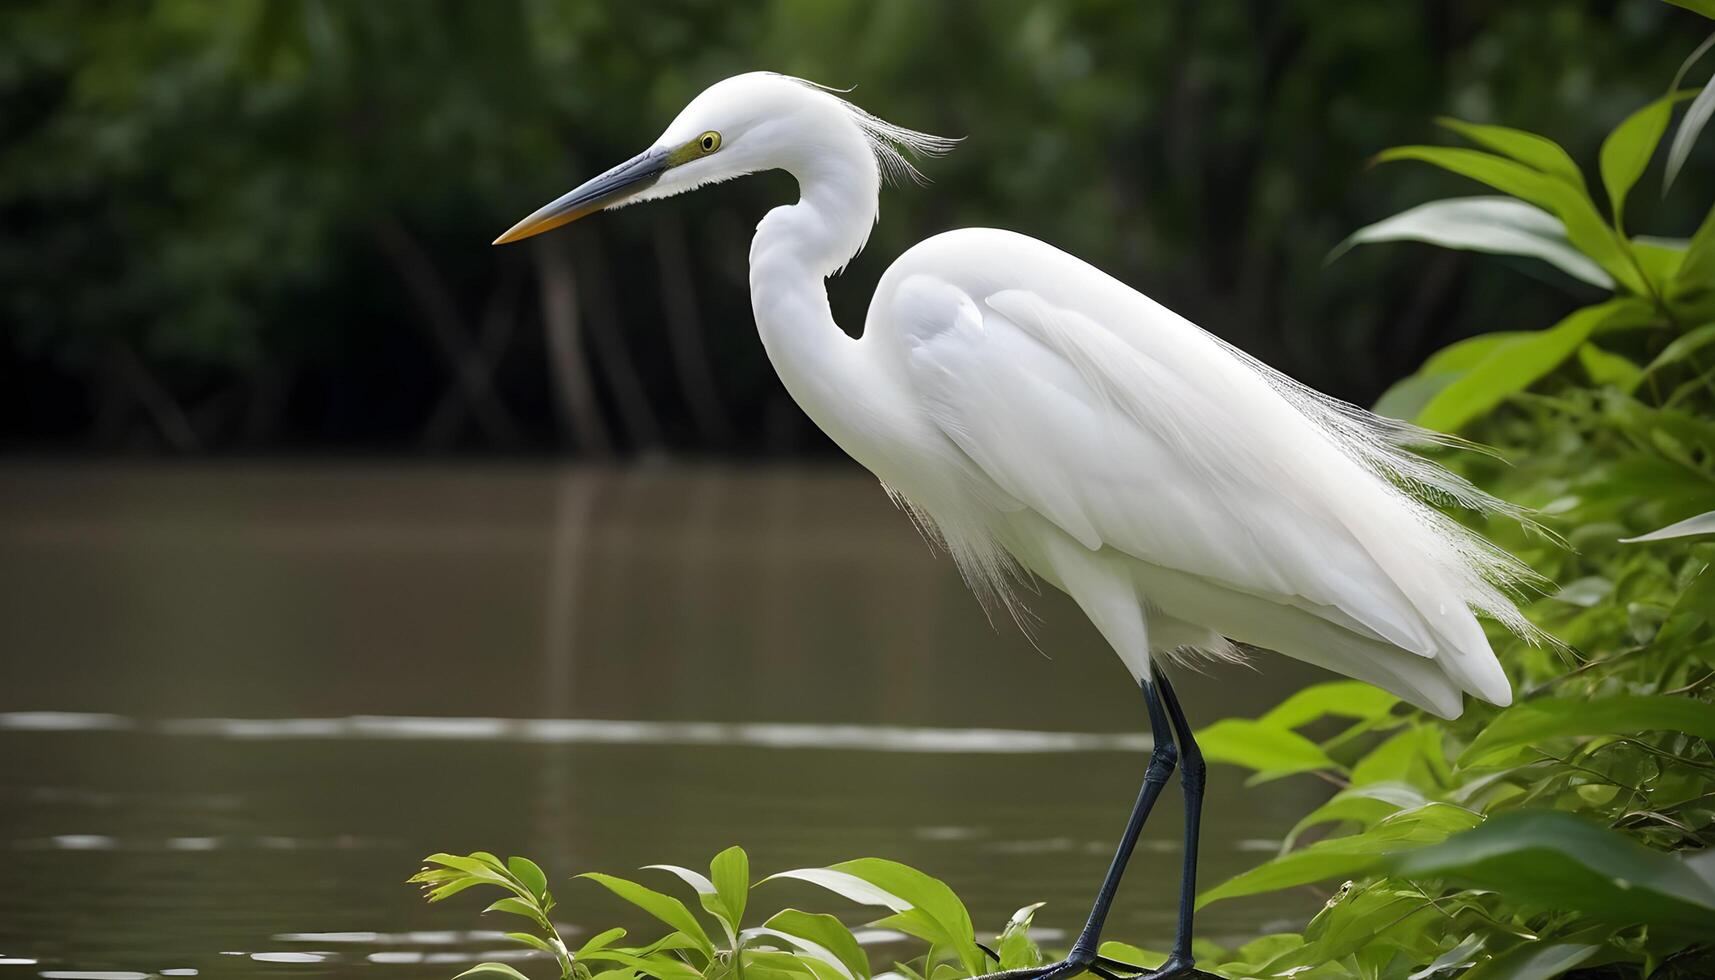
pixel 595 731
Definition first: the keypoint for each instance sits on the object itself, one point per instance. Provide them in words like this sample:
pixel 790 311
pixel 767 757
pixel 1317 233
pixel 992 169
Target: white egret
pixel 1035 415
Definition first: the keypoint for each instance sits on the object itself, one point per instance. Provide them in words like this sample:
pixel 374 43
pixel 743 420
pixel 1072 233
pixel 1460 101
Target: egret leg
pixel 1165 717
pixel 1162 761
pixel 1193 777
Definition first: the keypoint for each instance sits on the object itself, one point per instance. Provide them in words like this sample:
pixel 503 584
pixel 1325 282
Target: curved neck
pixel 795 249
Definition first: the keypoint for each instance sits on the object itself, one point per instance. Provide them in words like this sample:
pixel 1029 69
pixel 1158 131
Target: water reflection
pixel 237 704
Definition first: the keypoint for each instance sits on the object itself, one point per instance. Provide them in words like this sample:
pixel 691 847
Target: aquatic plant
pixel 787 944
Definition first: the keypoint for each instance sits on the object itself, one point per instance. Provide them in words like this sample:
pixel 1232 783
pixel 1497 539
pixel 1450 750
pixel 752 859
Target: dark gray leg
pixel 1161 764
pixel 1164 717
pixel 1192 775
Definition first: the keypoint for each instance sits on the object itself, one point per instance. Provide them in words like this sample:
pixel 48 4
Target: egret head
pixel 742 125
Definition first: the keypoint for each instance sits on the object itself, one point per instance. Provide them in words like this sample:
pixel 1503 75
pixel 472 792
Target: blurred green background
pixel 253 226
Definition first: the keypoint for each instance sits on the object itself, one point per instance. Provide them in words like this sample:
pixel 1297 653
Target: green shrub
pixel 1572 830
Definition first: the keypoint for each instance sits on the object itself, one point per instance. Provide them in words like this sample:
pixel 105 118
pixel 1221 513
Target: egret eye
pixel 709 142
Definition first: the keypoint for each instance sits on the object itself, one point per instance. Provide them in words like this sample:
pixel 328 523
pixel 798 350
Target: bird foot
pixel 1101 966
pixel 1173 969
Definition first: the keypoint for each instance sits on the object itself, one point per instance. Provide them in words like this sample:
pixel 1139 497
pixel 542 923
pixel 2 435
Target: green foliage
pixel 204 186
pixel 447 875
pixel 789 945
pixel 796 945
pixel 1557 860
pixel 1665 290
pixel 1627 150
pixel 1513 364
pixel 1572 830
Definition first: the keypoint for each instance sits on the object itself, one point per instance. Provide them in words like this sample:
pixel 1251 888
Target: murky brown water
pixel 238 703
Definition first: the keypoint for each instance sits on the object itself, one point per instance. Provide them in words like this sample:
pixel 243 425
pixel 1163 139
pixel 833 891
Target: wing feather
pixel 1132 429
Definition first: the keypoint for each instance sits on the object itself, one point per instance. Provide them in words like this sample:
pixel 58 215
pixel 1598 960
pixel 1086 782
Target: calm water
pixel 238 703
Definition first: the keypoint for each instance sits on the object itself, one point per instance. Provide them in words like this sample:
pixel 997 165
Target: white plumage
pixel 1038 416
pixel 1172 487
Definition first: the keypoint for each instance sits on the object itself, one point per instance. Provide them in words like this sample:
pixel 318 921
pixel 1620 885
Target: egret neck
pixel 834 377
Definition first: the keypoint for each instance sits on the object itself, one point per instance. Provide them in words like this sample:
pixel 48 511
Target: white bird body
pixel 1018 397
pixel 1035 413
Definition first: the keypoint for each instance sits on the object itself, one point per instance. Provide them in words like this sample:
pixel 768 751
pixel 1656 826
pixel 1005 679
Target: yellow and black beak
pixel 630 177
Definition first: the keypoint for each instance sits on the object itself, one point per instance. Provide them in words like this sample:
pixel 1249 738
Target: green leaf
pixel 917 925
pixel 478 868
pixel 1609 369
pixel 698 882
pixel 1560 861
pixel 475 867
pixel 825 932
pixel 1462 956
pixel 662 967
pixel 1698 599
pixel 766 964
pixel 490 860
pixel 1530 722
pixel 1585 228
pixel 1341 699
pixel 1414 756
pixel 1627 150
pixel 454 887
pixel 526 871
pixel 532 941
pixel 1274 955
pixel 794 970
pixel 1539 152
pixel 1696 117
pixel 516 906
pixel 1533 961
pixel 1363 805
pixel 1261 746
pixel 1683 347
pixel 491 971
pixel 1690 527
pixel 1704 7
pixel 1513 365
pixel 845 885
pixel 1357 918
pixel 1405 399
pixel 706 895
pixel 1585 593
pixel 1660 259
pixel 664 907
pixel 1342 857
pixel 1697 271
pixel 1149 959
pixel 1502 174
pixel 872 881
pixel 730 871
pixel 599 941
pixel 1472 351
pixel 1496 225
pixel 926 894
